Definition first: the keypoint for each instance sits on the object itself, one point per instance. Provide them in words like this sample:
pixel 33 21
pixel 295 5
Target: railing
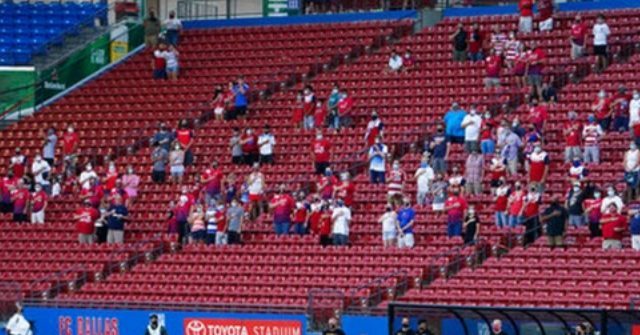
pixel 372 293
pixel 61 281
pixel 323 304
pixel 455 260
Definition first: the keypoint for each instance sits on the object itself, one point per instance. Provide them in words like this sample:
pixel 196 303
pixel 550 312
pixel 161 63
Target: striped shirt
pixel 512 49
pixel 498 41
pixel 591 134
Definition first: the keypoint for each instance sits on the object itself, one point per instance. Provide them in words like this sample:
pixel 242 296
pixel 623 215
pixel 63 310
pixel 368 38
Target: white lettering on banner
pixel 249 327
pixel 88 326
pixel 98 57
pixel 54 86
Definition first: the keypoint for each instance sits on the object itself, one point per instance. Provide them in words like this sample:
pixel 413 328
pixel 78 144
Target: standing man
pixel 456 208
pixel 525 25
pixel 405 221
pixel 538 167
pixel 459 40
pixel 40 170
pixel 601 33
pixel 321 153
pixel 152 29
pixel 38 203
pixel 405 328
pixel 453 121
pixel 118 214
pixel 159 160
pixel 474 173
pixel 236 147
pixel 591 135
pixel 70 141
pixel 578 37
pixel 49 146
pixel 333 328
pixel 341 217
pixel 18 324
pixel 377 161
pixel 424 176
pixel 266 142
pixel 20 197
pixel 471 124
pixel 154 328
pixel 173 28
pixel 18 164
pixel 282 205
pixel 612 224
pixel 255 185
pixel 555 216
pixel 213 181
pixel 439 149
pixel 184 136
pixel 240 91
pixel 163 137
pixel 85 218
pixel 235 216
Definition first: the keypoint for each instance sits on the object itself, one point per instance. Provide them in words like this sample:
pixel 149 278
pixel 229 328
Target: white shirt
pixel 85 176
pixel 341 217
pixel 395 63
pixel 373 124
pixel 56 189
pixel 256 185
pixel 631 161
pixel 171 57
pixel 42 165
pixel 634 111
pixel 607 201
pixel 270 140
pixel 600 33
pixel 18 325
pixel 426 177
pixel 389 222
pixel 18 160
pixel 472 130
pixel 378 163
pixel 173 24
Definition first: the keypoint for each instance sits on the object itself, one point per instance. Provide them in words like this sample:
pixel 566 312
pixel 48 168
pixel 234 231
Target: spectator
pixel 396 181
pixel 163 137
pixel 496 325
pixel 184 136
pixel 498 40
pixel 250 148
pixel 406 223
pixel 297 117
pixel 555 218
pixel 525 25
pixel 235 217
pixel 333 328
pixel 319 115
pixel 634 116
pixel 439 193
pixel 453 124
pixel 109 181
pixel 377 161
pixel 456 180
pixel 474 173
pixel 422 328
pixel 49 146
pixel 439 149
pixel 513 48
pixel 321 153
pixel 487 130
pixel 159 158
pixel 408 60
pixel 611 198
pixel 591 135
pixel 345 190
pixel 40 170
pixel 493 68
pixel 256 184
pixel 309 101
pixel 460 47
pixel 332 107
pixel 395 62
pixel 573 133
pixel 212 179
pixel 575 205
pixel 549 93
pixel 530 214
pixel 236 147
pixel 476 39
pixel 634 226
pixel 18 164
pixel 520 66
pixel 601 33
pixel 456 208
pixel 118 215
pixel 620 109
pixel 130 183
pixel 374 129
pixel 389 226
pixel 602 109
pixel 471 226
pixel 196 222
pixel 18 324
pixel 341 217
pixel 300 215
pixel 183 211
pixel 538 168
pixel 500 200
pixel 424 177
pixel 510 151
pixel 218 103
pixel 344 109
pixel 177 159
pixel 211 222
pixel 85 218
pixel 173 27
pixel 545 11
pixel 171 56
pixel 325 225
pixel 578 38
pixel 593 213
pixel 159 62
pixel 86 176
pixel 266 143
pixel 577 171
pixel 612 224
pixel 405 328
pixel 535 66
pixel 152 29
pixel 326 184
pixel 632 172
pixel 38 202
pixel 497 172
pixel 515 205
pixel 154 328
pixel 282 205
pixel 222 226
pixel 240 91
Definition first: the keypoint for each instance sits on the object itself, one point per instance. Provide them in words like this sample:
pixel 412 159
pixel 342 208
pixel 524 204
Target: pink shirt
pixel 130 183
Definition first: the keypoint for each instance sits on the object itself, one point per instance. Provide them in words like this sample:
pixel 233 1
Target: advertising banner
pixel 16 87
pixel 277 8
pixel 240 327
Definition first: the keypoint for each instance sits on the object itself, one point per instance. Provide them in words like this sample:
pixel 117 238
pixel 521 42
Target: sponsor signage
pixel 199 326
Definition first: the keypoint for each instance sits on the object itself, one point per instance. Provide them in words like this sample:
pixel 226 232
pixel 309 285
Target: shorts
pixel 600 50
pixel 388 235
pixel 20 217
pixel 115 236
pixel 172 69
pixel 240 110
pixel 577 50
pixel 159 74
pixel 406 241
pixel 219 111
pixel 525 25
pixel 535 79
pixel 158 176
pixel 198 235
pixel 37 217
pixel 611 244
pixel 151 40
pixel 177 170
pixel 255 197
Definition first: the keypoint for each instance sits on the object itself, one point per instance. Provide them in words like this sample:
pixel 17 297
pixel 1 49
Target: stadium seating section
pixel 123 105
pixel 27 29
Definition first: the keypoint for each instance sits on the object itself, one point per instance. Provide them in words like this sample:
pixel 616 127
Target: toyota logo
pixel 195 327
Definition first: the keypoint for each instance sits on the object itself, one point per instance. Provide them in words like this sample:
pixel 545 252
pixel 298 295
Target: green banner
pixel 275 8
pixel 17 87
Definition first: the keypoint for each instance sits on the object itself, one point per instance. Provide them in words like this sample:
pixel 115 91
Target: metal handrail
pixel 358 303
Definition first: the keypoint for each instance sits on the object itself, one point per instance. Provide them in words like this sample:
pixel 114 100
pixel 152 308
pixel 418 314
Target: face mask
pixel 486 116
pixel 249 132
pixel 407 55
pixel 596 195
pixel 537 150
pixel 70 130
pixel 318 137
pixel 89 168
pixel 130 171
pixel 611 193
pixel 514 124
pixel 576 189
pixel 636 96
pixel 38 158
pixel 633 147
pixel 396 167
pixel 38 188
pixel 471 212
pixel 334 91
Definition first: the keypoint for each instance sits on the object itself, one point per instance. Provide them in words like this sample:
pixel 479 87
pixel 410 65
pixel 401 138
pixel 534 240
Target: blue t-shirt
pixel 241 98
pixel 406 215
pixel 634 225
pixel 452 122
pixel 440 146
pixel 117 223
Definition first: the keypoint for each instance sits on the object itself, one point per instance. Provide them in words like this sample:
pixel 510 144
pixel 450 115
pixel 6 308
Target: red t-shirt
pixel 215 182
pixel 578 33
pixel 486 132
pixel 610 222
pixel 538 115
pixel 344 106
pixel 69 141
pixel 110 180
pixel 346 194
pixel 19 168
pixel 545 8
pixel 603 110
pixel 88 216
pixel 159 63
pixel 184 136
pixel 531 208
pixel 314 222
pixel 536 61
pixel 496 174
pixel 221 220
pixel 575 134
pixel 475 44
pixel 20 198
pixel 501 203
pixel 456 206
pixel 300 215
pixel 252 145
pixel 595 214
pixel 298 113
pixel 321 149
pixel 526 7
pixel 319 116
pixel 283 207
pixel 38 200
pixel 328 181
pixel 324 226
pixel 517 201
pixel 494 64
pixel 537 166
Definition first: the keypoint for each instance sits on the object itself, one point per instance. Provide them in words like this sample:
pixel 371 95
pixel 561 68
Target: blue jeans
pixel 299 228
pixel 501 219
pixel 488 147
pixel 514 220
pixel 576 220
pixel 377 177
pixel 476 57
pixel 281 227
pixel 454 229
pixel 621 123
pixel 309 122
pixel 172 37
pixel 340 239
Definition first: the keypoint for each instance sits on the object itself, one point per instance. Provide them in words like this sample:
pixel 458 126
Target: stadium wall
pixel 563 7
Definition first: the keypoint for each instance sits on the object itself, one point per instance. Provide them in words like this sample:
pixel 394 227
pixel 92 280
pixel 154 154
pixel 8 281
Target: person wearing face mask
pixel 439 193
pixel 530 214
pixel 319 115
pixel 405 328
pixel 405 225
pixel 326 184
pixel 575 204
pixel 501 197
pixel 423 328
pixel 184 136
pixel 620 109
pixel 86 176
pixel 634 116
pixel 602 109
pixel 438 147
pixel 176 163
pixel 282 206
pixel 471 124
pixel 49 146
pixel 474 173
pixel 513 46
pixel 487 134
pixel 256 184
pixel 515 205
pixel 378 153
pixel 159 160
pixel 266 144
pixel 593 213
pixel 453 124
pixel 538 167
pixel 424 176
pixel 612 197
pixel 332 107
pixel 389 222
pixel 38 203
pixel 591 135
pixel 325 224
pixel 70 142
pixel 408 60
pixel 538 115
pixel 476 39
pixel 613 225
pixel 154 328
pixel 577 171
pixel 116 219
pixel 20 197
pixel 374 129
pixel 241 97
pixel 395 62
pixel 163 137
pixel 309 101
pixel 631 172
pixel 497 173
pixel 345 107
pixel 235 216
pixel 578 37
pixel 18 324
pixel 297 115
pixel 197 225
pixel 300 215
pixel 534 68
pixel 572 133
pixel 320 153
pixel 340 218
pixel 218 103
pixel 634 226
pixel 456 208
pixel 18 163
pixel 600 33
pixel 510 151
pixel 40 170
pixel 545 17
pixel 333 328
pixel 109 180
pixel 493 68
pixel 496 328
pixel 345 189
pixel 131 182
pixel 395 187
pixel 471 226
pixel 85 218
